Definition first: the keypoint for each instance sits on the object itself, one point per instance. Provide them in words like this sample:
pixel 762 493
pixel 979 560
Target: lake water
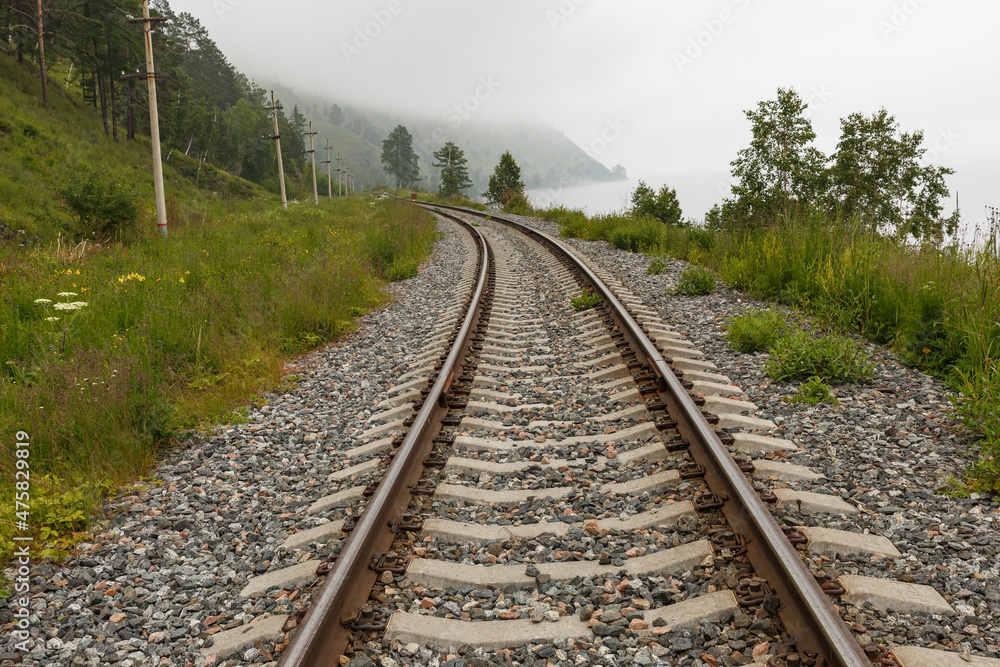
pixel 696 193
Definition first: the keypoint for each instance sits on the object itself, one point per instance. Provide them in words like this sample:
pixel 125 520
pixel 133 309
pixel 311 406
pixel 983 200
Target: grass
pixel 813 392
pixel 175 334
pixel 696 281
pixel 585 301
pixel 831 358
pixel 656 267
pixel 755 331
pixel 937 307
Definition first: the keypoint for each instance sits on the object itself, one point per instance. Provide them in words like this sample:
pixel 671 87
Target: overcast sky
pixel 665 82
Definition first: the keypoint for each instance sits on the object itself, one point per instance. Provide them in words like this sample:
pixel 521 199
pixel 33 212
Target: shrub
pixel 833 358
pixel 813 391
pixel 696 281
pixel 639 235
pixel 105 203
pixel 656 267
pixel 518 204
pixel 585 301
pixel 755 331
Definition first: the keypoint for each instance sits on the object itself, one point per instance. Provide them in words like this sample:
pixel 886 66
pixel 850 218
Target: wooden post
pixel 277 143
pixel 312 152
pixel 154 120
pixel 340 192
pixel 329 172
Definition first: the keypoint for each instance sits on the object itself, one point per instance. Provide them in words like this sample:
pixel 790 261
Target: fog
pixel 673 78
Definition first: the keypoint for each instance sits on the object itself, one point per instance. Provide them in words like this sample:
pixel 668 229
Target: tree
pixel 505 183
pixel 877 178
pixel 454 171
pixel 779 169
pixel 398 158
pixel 334 115
pixel 662 205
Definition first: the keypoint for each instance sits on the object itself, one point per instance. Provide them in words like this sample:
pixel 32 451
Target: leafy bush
pixel 755 331
pixel 696 281
pixel 585 301
pixel 518 204
pixel 813 391
pixel 105 203
pixel 833 358
pixel 639 235
pixel 656 267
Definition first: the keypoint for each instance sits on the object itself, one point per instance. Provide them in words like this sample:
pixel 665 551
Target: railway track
pixel 560 485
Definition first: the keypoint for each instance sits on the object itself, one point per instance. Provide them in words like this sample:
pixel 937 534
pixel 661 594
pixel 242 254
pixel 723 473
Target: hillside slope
pixel 542 152
pixel 41 149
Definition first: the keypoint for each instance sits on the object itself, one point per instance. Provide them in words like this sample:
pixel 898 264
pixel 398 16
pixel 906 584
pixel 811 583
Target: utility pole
pixel 329 174
pixel 339 191
pixel 312 151
pixel 154 120
pixel 277 143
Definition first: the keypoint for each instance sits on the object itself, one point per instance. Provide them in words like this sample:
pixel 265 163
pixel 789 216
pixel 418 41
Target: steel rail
pixel 805 610
pixel 321 639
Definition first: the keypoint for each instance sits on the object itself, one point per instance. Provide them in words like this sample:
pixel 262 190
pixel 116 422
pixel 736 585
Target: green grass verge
pixel 175 333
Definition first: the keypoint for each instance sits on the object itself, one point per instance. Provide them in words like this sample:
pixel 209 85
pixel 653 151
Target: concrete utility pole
pixel 329 174
pixel 277 143
pixel 154 120
pixel 312 151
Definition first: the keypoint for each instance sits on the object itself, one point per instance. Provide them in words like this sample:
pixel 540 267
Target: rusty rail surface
pixel 805 610
pixel 321 638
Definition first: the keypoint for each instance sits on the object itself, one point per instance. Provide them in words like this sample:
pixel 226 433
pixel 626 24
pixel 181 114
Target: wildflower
pixel 131 276
pixel 927 350
pixel 43 300
pixel 182 279
pixel 76 305
pixel 66 294
pixel 52 319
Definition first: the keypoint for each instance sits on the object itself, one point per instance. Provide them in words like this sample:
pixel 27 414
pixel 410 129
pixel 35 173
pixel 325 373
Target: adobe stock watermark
pixel 562 13
pixel 899 16
pixel 460 112
pixel 610 133
pixel 470 104
pixel 712 30
pixel 370 31
pixel 941 144
pixel 223 7
pixel 816 99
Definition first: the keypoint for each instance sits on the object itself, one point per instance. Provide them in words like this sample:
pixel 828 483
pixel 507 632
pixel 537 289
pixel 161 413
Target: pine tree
pixel 398 158
pixel 454 170
pixel 505 183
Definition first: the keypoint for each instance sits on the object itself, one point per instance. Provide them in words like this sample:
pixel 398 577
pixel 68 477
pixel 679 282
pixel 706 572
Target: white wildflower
pixel 52 319
pixel 66 306
pixel 43 300
pixel 66 294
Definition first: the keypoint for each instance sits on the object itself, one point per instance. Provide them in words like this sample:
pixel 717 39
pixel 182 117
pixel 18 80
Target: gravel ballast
pixel 887 448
